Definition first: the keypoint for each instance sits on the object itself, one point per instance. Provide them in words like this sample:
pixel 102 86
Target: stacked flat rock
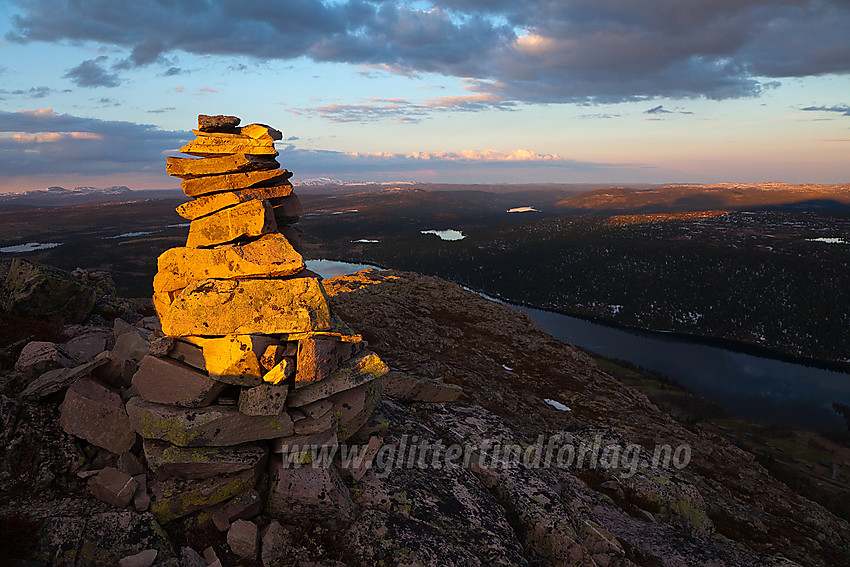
pixel 254 366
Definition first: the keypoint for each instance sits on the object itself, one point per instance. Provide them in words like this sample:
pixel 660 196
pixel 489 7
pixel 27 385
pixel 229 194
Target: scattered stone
pixel 191 558
pixel 130 464
pixel 141 559
pixel 95 413
pixel 58 379
pixel 242 539
pixel 357 468
pixel 269 306
pixel 367 366
pixel 167 381
pixel 275 543
pixel 85 347
pixel 241 507
pixel 265 399
pixel 113 487
pixel 407 388
pixel 38 357
pixel 160 346
pixel 131 346
pixel 166 460
pixel 252 218
pixel 141 499
pixel 213 426
pixel 116 371
pixel 308 492
pixel 210 556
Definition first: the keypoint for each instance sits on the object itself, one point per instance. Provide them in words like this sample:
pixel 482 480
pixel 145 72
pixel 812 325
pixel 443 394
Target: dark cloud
pixel 403 110
pixel 585 51
pixel 41 141
pixel 34 92
pixel 657 110
pixel 842 109
pixel 91 73
pixel 172 71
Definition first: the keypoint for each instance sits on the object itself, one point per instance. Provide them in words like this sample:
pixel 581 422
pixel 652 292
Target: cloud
pixel 172 71
pixel 91 73
pixel 34 92
pixel 842 109
pixel 586 51
pixel 402 109
pixel 41 141
pixel 657 110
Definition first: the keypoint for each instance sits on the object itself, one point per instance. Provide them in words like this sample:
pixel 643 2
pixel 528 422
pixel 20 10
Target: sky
pixel 98 92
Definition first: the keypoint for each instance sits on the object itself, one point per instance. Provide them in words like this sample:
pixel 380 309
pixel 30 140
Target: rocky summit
pixel 243 422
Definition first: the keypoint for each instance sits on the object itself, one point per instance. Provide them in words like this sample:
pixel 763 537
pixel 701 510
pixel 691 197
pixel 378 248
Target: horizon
pixel 435 92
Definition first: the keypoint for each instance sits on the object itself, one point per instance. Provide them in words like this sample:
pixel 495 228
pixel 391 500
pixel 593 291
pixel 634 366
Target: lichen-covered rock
pixel 295 304
pixel 174 498
pixel 166 460
pixel 209 204
pixel 248 219
pixel 188 168
pixel 352 408
pixel 44 292
pixel 269 256
pixel 314 492
pixel 365 367
pixel 214 426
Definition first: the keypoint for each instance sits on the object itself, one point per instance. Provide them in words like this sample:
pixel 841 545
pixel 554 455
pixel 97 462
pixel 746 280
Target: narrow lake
pixel 755 388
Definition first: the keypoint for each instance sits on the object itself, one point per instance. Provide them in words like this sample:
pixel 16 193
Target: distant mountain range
pixel 61 197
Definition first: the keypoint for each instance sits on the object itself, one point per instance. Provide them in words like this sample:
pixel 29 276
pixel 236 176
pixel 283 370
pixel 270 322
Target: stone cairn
pixel 251 371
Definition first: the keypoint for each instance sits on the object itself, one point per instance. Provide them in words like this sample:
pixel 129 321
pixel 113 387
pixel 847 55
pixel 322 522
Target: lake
pixel 756 388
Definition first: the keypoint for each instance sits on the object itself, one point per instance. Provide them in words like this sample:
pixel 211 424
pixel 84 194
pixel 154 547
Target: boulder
pixel 234 181
pixel 267 306
pixel 316 493
pixel 132 346
pixel 88 345
pixel 113 487
pixel 141 499
pixel 189 168
pixel 95 413
pixel 114 370
pixel 365 367
pixel 213 426
pixel 38 357
pixel 312 425
pixel 167 381
pixel 209 204
pixel 188 353
pixel 44 292
pixel 166 460
pixel 269 256
pixel 242 537
pixel 252 218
